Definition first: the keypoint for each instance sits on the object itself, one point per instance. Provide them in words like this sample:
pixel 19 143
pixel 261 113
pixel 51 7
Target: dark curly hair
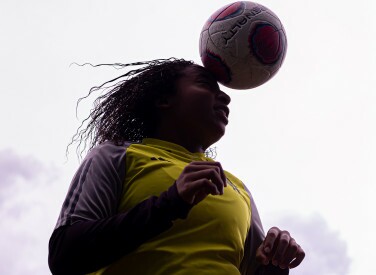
pixel 126 111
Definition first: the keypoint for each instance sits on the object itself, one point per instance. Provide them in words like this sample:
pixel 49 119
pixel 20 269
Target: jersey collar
pixel 173 147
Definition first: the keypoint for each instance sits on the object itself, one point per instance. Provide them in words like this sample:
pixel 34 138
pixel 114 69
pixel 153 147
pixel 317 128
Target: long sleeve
pixel 86 246
pixel 256 235
pixel 90 234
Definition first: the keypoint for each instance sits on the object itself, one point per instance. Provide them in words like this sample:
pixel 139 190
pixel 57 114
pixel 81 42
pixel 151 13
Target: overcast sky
pixel 304 143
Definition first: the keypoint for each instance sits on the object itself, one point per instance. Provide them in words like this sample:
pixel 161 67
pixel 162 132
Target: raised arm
pixel 251 264
pixel 90 234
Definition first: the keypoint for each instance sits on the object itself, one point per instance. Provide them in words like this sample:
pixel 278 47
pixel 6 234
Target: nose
pixel 224 98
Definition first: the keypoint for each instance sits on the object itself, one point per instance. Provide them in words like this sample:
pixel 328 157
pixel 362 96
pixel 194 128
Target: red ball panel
pixel 225 12
pixel 217 67
pixel 265 43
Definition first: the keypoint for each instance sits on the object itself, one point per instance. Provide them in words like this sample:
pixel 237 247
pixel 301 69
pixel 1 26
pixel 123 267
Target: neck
pixel 183 139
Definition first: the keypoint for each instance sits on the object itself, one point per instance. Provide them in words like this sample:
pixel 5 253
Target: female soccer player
pixel 147 200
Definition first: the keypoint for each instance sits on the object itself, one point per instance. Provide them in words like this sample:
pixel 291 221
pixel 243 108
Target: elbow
pixel 55 253
pixel 55 264
pixel 60 258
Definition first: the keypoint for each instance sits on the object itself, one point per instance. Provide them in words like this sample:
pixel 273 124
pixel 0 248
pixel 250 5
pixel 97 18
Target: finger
pixel 289 254
pixel 196 191
pixel 217 179
pixel 199 196
pixel 203 188
pixel 195 164
pixel 200 164
pixel 194 173
pixel 260 255
pixel 299 258
pixel 203 185
pixel 211 173
pixel 281 245
pixel 223 176
pixel 270 239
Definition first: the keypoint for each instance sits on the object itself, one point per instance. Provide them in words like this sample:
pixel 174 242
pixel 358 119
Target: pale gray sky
pixel 304 143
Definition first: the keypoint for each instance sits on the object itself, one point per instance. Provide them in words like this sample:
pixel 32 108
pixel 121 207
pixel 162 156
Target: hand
pixel 199 179
pixel 280 249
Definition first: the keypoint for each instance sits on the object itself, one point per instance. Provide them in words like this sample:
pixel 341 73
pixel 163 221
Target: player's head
pixel 196 114
pixel 143 100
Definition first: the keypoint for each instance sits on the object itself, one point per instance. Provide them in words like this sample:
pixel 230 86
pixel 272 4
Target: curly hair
pixel 126 111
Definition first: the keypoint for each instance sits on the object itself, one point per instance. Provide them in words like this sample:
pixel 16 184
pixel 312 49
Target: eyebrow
pixel 205 74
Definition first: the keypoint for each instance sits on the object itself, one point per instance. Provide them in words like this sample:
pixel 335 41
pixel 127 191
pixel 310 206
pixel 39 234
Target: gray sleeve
pixel 96 187
pixel 256 235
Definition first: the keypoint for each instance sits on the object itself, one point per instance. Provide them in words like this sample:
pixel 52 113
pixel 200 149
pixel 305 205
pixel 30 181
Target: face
pixel 199 106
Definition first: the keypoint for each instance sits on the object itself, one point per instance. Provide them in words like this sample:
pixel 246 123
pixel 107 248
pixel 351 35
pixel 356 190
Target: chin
pixel 215 136
pixel 221 130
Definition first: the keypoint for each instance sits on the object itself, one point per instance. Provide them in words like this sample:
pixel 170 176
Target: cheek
pixel 199 109
pixel 194 103
pixel 200 102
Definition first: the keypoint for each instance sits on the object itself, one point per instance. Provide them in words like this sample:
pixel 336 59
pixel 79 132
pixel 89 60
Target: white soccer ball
pixel 243 44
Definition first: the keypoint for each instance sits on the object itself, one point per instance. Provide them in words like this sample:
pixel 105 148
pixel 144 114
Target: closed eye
pixel 210 84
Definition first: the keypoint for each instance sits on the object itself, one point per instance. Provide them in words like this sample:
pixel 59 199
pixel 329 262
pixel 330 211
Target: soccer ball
pixel 243 44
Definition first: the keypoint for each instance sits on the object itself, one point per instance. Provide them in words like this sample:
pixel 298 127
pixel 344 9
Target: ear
pixel 163 102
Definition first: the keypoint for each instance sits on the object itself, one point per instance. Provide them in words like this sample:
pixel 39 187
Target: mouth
pixel 223 111
pixel 222 108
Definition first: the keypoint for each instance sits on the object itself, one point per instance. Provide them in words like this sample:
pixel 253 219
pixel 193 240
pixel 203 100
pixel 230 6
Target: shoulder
pixel 108 151
pixel 105 158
